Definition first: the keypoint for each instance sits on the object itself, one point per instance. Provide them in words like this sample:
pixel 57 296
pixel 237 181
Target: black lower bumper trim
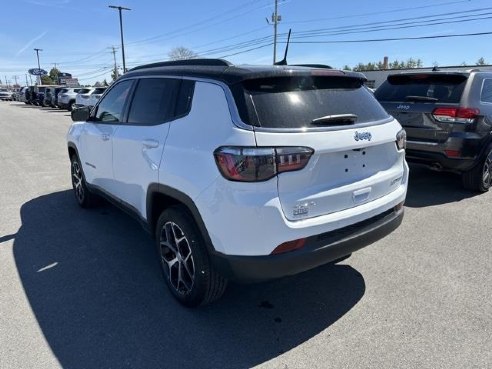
pixel 319 249
pixel 440 161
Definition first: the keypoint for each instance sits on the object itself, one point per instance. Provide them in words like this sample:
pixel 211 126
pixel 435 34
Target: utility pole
pixel 27 82
pixel 275 19
pixel 6 82
pixel 275 22
pixel 39 67
pixel 120 8
pixel 15 78
pixel 115 66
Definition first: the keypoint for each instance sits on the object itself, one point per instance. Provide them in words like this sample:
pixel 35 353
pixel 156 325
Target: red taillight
pixel 452 153
pixel 292 158
pixel 455 115
pixel 254 164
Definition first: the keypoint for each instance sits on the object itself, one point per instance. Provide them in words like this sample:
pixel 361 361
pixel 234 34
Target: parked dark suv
pixel 448 119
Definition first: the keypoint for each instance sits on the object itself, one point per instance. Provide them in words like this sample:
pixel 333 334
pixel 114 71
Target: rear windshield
pixel 99 90
pixel 294 102
pixel 444 88
pixel 83 90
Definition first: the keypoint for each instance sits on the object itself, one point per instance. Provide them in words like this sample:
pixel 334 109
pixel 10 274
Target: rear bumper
pixel 437 160
pixel 318 250
pixel 466 147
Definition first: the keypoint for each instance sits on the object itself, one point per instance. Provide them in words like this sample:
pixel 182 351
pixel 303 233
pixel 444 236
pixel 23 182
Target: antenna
pixel 284 60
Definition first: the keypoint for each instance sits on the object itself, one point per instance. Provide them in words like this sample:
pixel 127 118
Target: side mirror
pixel 81 114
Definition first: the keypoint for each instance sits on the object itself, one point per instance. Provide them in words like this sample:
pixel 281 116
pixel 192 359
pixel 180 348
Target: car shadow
pixel 94 284
pixel 428 188
pixel 28 106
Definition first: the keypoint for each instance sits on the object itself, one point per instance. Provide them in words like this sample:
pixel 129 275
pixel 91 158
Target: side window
pixel 486 95
pixel 183 105
pixel 154 101
pixel 111 107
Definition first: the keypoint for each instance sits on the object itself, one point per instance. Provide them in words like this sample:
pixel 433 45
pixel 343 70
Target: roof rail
pixel 473 70
pixel 312 65
pixel 187 62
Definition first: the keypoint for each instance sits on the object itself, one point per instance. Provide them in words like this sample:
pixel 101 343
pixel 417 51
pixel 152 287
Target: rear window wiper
pixel 421 98
pixel 335 119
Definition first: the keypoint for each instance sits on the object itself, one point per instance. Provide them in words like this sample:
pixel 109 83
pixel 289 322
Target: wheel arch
pixel 72 149
pixel 160 197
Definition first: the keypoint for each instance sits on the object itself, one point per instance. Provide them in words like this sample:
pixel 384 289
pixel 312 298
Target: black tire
pixel 479 179
pixel 191 277
pixel 84 197
pixel 70 105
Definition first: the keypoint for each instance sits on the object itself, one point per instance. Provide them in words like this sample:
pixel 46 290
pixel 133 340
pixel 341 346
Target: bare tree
pixel 481 61
pixel 180 53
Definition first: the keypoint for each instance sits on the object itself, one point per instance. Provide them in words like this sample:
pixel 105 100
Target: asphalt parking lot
pixel 83 289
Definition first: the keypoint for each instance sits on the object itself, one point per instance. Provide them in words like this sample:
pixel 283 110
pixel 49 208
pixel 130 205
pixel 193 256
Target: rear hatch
pixel 355 159
pixel 96 95
pixel 82 96
pixel 417 101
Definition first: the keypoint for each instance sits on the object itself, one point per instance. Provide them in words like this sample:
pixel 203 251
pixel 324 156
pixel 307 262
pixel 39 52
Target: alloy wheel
pixel 77 181
pixel 176 258
pixel 487 172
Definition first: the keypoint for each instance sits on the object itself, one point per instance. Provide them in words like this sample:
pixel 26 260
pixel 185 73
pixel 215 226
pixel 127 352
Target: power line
pixel 366 26
pixel 198 26
pixel 378 12
pixel 393 39
pixel 247 51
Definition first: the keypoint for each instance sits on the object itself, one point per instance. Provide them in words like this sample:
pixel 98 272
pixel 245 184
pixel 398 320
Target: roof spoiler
pixel 200 62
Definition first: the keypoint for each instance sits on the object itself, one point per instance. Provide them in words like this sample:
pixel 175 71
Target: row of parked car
pixel 55 96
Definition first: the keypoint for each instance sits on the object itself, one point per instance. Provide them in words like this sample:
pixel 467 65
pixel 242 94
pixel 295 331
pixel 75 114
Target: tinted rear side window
pixel 444 88
pixel 294 102
pixel 99 90
pixel 154 101
pixel 486 95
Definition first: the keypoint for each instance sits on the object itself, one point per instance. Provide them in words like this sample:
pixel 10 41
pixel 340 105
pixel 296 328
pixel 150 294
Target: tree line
pixel 410 63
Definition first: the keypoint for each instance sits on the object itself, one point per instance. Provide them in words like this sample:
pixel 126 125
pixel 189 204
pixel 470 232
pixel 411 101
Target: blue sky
pixel 78 35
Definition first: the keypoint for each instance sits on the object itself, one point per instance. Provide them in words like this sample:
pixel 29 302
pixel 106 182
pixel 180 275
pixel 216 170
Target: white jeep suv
pixel 88 96
pixel 242 172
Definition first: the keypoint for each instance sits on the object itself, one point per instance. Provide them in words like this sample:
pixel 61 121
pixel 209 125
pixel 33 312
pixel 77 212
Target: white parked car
pixel 239 172
pixel 89 97
pixel 66 97
pixel 5 94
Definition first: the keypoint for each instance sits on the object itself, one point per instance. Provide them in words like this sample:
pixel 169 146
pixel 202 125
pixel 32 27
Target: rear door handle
pixel 150 144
